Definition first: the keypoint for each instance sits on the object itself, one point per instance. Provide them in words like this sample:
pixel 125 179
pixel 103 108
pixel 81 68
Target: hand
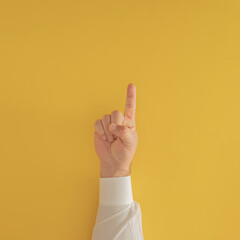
pixel 116 147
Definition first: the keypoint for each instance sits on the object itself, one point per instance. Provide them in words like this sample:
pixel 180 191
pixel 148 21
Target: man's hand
pixel 116 139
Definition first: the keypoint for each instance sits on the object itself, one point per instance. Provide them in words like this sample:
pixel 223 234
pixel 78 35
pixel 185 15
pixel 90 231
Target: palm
pixel 114 152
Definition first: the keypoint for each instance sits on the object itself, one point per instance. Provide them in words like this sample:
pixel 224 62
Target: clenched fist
pixel 116 139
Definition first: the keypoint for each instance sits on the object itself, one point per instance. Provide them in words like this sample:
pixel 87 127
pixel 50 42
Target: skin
pixel 116 147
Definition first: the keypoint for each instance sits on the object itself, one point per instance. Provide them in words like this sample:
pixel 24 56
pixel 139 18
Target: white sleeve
pixel 119 216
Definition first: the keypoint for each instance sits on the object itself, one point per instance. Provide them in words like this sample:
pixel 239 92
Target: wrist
pixel 114 172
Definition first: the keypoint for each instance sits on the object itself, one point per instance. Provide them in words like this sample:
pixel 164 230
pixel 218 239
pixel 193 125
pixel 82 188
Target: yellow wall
pixel 65 64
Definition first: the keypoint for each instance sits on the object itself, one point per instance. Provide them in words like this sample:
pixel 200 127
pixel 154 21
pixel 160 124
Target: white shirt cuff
pixel 115 191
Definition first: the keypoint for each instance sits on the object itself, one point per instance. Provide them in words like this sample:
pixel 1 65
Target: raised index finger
pixel 130 106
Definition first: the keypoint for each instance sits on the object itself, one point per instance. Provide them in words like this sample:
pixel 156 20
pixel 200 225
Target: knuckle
pixel 115 112
pixel 130 105
pixel 105 117
pixel 96 123
pixel 128 115
pixel 117 116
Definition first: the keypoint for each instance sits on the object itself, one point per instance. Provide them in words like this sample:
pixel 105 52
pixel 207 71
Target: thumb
pixel 120 131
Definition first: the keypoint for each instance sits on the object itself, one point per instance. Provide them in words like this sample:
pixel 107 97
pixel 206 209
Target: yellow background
pixel 65 64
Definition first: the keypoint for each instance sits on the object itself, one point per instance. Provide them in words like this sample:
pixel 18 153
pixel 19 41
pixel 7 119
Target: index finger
pixel 130 106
